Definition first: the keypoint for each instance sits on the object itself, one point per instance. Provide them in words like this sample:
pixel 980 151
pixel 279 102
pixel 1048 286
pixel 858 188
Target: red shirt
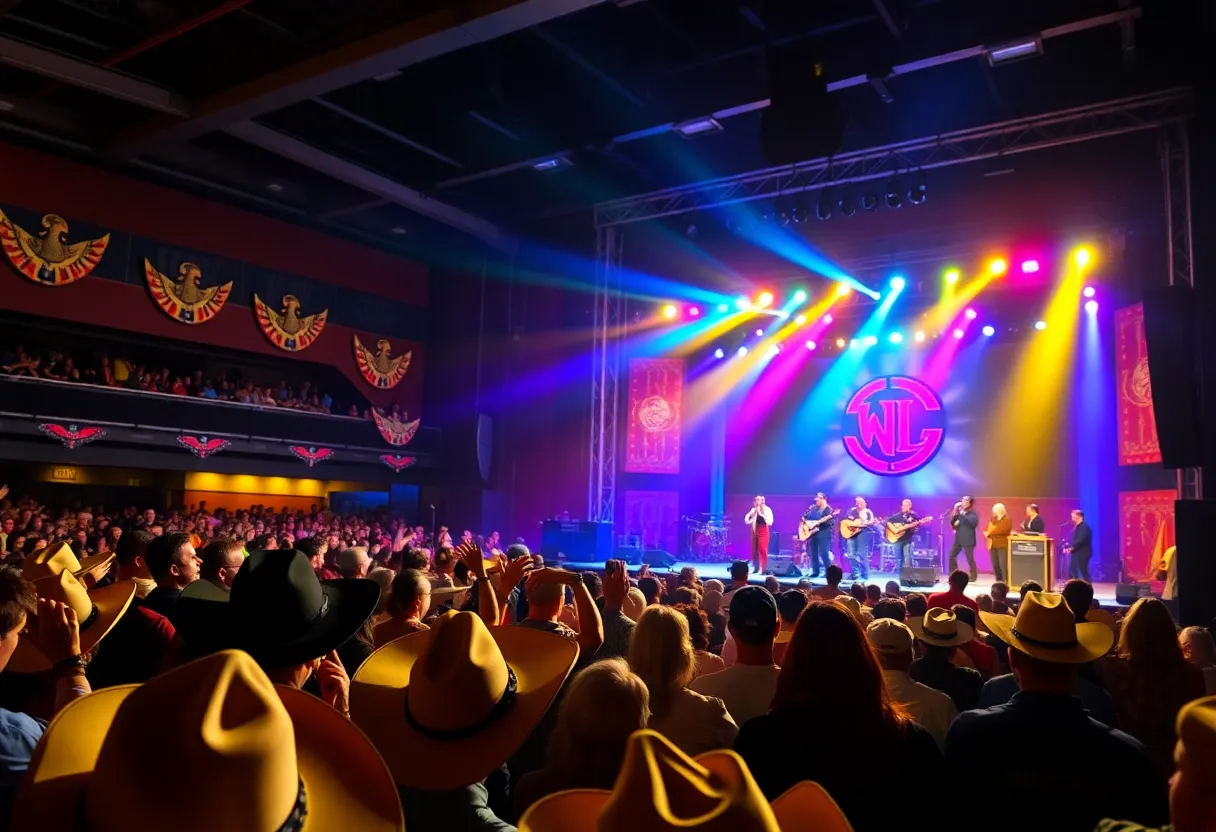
pixel 948 599
pixel 983 656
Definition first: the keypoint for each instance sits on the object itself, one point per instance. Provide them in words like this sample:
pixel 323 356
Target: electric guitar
pixel 850 528
pixel 896 530
pixel 806 528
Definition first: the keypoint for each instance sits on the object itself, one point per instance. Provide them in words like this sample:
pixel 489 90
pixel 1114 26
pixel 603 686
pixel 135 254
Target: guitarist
pixel 819 545
pixel 858 546
pixel 964 521
pixel 903 543
pixel 760 518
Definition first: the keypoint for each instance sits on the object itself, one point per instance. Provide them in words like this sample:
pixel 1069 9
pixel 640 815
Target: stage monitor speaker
pixel 658 557
pixel 918 576
pixel 1194 567
pixel 576 540
pixel 783 566
pixel 1169 333
pixel 803 120
pixel 629 554
pixel 1128 594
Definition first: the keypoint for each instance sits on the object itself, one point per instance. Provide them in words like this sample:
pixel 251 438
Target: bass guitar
pixel 806 528
pixel 850 528
pixel 896 530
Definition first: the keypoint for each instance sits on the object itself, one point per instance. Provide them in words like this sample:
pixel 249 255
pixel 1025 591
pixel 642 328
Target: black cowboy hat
pixel 278 611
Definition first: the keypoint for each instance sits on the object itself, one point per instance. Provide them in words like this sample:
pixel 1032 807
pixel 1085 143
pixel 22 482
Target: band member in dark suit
pixel 819 545
pixel 964 521
pixel 858 546
pixel 903 544
pixel 1033 524
pixel 760 518
pixel 1081 547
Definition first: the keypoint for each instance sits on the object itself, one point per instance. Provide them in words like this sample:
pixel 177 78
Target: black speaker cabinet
pixel 1173 365
pixel 1194 565
pixel 918 576
pixel 577 540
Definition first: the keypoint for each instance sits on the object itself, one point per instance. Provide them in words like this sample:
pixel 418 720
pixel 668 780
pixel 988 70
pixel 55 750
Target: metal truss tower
pixel 608 333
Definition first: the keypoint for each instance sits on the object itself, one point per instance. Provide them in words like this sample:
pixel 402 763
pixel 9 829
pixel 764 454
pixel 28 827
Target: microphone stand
pixel 434 533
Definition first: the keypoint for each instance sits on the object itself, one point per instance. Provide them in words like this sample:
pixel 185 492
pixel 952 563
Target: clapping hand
pixel 470 555
pixel 517 570
pixel 616 586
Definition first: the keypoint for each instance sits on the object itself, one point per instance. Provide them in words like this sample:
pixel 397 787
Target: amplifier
pixel 658 557
pixel 1128 594
pixel 629 554
pixel 783 566
pixel 577 540
pixel 918 576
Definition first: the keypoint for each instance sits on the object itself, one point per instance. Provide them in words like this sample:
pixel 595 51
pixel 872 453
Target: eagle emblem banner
pixel 1137 424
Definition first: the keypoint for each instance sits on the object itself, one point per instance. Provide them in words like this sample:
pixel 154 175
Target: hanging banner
pixel 654 517
pixel 656 398
pixel 1137 426
pixel 1146 525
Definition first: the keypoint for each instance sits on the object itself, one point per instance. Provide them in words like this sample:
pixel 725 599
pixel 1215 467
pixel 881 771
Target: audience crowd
pixel 316 672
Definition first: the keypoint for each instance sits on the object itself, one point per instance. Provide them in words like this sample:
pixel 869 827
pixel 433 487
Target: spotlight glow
pixel 694 311
pixel 759 333
pixel 670 311
pixel 989 330
pixel 827 319
pixel 723 307
pixel 742 303
pixel 970 314
pixel 896 337
pixel 840 343
pixel 898 283
pixel 800 296
pixel 719 353
pixel 764 300
pixel 800 320
pixel 1030 266
pixel 952 276
pixel 810 345
pixel 1082 256
pixel 1091 306
pixel 997 267
pixel 870 340
pixel 773 350
pixel 1040 325
pixel 742 351
pixel 1089 291
pixel 853 342
pixel 958 333
pixel 842 290
pixel 919 337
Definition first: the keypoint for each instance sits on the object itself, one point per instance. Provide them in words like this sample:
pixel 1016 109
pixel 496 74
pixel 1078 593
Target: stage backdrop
pixel 1142 517
pixel 1137 423
pixel 656 399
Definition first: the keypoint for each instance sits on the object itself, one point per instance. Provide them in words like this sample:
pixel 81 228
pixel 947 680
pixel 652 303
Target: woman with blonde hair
pixel 1000 526
pixel 661 653
pixel 602 706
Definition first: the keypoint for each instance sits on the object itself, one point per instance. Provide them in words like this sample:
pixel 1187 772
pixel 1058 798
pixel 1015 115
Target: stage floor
pixel 1104 593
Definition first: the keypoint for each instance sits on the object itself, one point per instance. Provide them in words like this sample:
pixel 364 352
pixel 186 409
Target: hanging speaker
pixel 1173 367
pixel 803 120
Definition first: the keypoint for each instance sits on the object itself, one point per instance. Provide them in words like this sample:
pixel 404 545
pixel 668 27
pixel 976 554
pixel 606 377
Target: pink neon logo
pixel 894 425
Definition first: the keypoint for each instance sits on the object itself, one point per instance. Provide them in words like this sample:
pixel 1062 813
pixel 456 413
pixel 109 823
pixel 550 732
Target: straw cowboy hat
pixel 459 696
pixel 941 626
pixel 273 758
pixel 1046 629
pixel 854 607
pixel 59 557
pixel 278 611
pixel 660 787
pixel 1102 616
pixel 98 610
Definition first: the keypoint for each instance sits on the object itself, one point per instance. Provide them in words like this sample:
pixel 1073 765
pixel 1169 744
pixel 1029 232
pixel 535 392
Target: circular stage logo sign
pixel 894 425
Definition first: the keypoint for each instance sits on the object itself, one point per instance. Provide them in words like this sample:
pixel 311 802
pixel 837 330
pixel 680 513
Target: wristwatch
pixel 71 666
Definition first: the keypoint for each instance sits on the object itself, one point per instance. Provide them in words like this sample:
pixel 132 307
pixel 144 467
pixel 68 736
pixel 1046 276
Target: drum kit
pixel 708 537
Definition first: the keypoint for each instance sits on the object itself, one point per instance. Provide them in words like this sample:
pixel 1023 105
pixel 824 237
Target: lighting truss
pixel 607 334
pixel 1024 135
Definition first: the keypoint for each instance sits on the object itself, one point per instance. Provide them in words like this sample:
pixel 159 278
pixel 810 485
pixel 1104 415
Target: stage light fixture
pixel 952 276
pixel 869 340
pixel 764 300
pixel 723 307
pixel 895 197
pixel 842 290
pixel 694 311
pixel 669 311
pixel 997 267
pixel 958 333
pixel 847 205
pixel 869 201
pixel 919 191
pixel 1030 266
pixel 742 303
pixel 810 345
pixel 759 333
pixel 970 314
pixel 1091 306
pixel 800 296
pixel 989 330
pixel 1089 291
pixel 898 283
pixel 919 337
pixel 800 320
pixel 896 337
pixel 823 209
pixel 719 353
pixel 742 351
pixel 1040 325
pixel 827 319
pixel 1082 256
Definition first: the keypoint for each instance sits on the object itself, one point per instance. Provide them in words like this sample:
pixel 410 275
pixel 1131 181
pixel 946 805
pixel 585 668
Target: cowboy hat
pixel 98 610
pixel 59 557
pixel 1046 629
pixel 273 757
pixel 660 787
pixel 941 627
pixel 278 611
pixel 853 606
pixel 1102 616
pixel 460 696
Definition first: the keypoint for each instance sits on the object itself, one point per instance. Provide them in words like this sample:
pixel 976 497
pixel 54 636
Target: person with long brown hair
pixel 832 719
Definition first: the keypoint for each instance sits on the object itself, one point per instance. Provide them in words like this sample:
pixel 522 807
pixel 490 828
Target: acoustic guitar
pixel 894 530
pixel 806 528
pixel 850 528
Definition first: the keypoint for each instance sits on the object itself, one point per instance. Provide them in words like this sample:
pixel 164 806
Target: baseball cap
pixel 890 636
pixel 753 614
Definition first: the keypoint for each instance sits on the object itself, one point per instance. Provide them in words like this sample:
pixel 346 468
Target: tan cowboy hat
pixel 941 626
pixel 1046 629
pixel 98 610
pixel 460 696
pixel 660 787
pixel 269 755
pixel 59 557
pixel 1106 617
pixel 1196 726
pixel 852 605
pixel 783 636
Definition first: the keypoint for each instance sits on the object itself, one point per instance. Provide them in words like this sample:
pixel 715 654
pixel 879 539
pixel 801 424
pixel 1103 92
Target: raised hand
pixel 55 630
pixel 516 571
pixel 470 555
pixel 334 682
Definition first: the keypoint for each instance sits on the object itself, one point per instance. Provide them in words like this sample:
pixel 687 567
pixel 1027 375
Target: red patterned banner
pixel 1137 427
pixel 656 398
pixel 1141 517
pixel 653 516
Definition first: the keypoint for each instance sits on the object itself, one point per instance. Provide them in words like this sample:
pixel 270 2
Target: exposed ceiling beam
pixel 384 131
pixel 380 186
pixel 577 58
pixel 91 77
pixel 884 14
pixel 467 23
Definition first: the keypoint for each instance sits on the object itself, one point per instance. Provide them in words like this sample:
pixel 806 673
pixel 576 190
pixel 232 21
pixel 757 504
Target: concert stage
pixel 1104 592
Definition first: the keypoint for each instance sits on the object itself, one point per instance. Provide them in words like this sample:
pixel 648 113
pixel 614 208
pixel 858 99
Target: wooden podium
pixel 1030 558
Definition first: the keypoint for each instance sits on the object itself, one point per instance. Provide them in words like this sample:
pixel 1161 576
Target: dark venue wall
pixel 368 293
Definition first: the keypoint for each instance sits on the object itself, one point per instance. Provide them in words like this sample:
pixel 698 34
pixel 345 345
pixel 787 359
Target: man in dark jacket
pixel 964 521
pixel 1081 547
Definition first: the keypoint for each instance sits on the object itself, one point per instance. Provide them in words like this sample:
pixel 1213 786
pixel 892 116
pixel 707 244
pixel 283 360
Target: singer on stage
pixel 819 545
pixel 1080 547
pixel 760 518
pixel 964 521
